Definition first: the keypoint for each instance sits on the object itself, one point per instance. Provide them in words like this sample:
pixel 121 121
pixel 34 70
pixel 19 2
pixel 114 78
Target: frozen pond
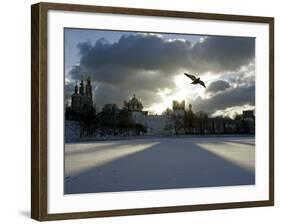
pixel 159 163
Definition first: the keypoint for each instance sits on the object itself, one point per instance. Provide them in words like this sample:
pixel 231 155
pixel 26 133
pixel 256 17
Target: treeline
pixel 113 121
pixel 110 121
pixel 188 122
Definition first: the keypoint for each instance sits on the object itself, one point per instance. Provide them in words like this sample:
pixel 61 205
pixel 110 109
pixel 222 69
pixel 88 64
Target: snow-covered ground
pixel 159 163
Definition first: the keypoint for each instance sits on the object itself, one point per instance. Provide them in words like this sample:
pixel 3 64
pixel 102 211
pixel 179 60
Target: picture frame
pixel 40 102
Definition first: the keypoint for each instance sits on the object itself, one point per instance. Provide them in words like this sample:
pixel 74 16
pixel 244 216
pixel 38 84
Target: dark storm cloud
pixel 142 64
pixel 149 52
pixel 222 53
pixel 107 93
pixel 229 98
pixel 217 86
pixel 130 54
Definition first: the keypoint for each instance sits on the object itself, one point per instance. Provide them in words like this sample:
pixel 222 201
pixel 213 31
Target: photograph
pixel 157 111
pixel 140 111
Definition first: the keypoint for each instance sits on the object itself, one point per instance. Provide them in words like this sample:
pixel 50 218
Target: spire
pixel 89 87
pixel 81 88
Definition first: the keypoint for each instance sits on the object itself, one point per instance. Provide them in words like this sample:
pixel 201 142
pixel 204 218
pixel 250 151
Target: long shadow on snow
pixel 161 167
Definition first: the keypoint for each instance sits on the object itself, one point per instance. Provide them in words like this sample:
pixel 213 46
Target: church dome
pixel 134 104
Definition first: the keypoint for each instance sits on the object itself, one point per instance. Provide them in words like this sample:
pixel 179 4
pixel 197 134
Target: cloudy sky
pixel 151 66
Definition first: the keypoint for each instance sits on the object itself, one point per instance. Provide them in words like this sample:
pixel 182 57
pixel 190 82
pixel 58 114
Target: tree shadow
pixel 161 167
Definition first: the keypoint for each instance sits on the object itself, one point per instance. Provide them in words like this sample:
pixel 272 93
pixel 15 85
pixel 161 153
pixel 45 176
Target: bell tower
pixel 89 88
pixel 190 107
pixel 76 88
pixel 81 88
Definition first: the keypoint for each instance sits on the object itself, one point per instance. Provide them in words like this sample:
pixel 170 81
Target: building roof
pixel 134 104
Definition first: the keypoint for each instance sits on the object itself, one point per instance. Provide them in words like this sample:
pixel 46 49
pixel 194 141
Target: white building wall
pixel 178 112
pixel 138 117
pixel 156 124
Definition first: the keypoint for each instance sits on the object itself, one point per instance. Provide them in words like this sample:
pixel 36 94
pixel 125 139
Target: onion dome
pixel 134 104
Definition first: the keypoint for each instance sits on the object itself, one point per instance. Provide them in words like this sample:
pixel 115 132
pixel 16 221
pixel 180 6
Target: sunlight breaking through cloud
pixel 151 65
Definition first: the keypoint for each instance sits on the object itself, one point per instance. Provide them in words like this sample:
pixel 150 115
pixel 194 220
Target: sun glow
pixel 183 90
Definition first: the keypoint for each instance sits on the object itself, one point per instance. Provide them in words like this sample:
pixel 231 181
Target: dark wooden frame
pixel 39 110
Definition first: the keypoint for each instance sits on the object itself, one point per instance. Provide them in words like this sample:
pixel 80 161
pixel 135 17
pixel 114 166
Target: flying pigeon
pixel 195 80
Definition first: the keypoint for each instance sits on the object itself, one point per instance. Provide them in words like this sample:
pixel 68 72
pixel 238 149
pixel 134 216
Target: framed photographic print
pixel 139 111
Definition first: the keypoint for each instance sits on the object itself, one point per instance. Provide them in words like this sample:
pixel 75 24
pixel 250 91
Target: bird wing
pixel 192 77
pixel 202 83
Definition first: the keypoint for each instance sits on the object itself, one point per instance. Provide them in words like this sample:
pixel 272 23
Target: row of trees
pixel 110 121
pixel 188 122
pixel 114 121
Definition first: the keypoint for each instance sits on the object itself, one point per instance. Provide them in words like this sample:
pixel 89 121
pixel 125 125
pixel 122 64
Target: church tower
pixel 89 88
pixel 75 100
pixel 190 107
pixel 82 99
pixel 81 88
pixel 178 107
